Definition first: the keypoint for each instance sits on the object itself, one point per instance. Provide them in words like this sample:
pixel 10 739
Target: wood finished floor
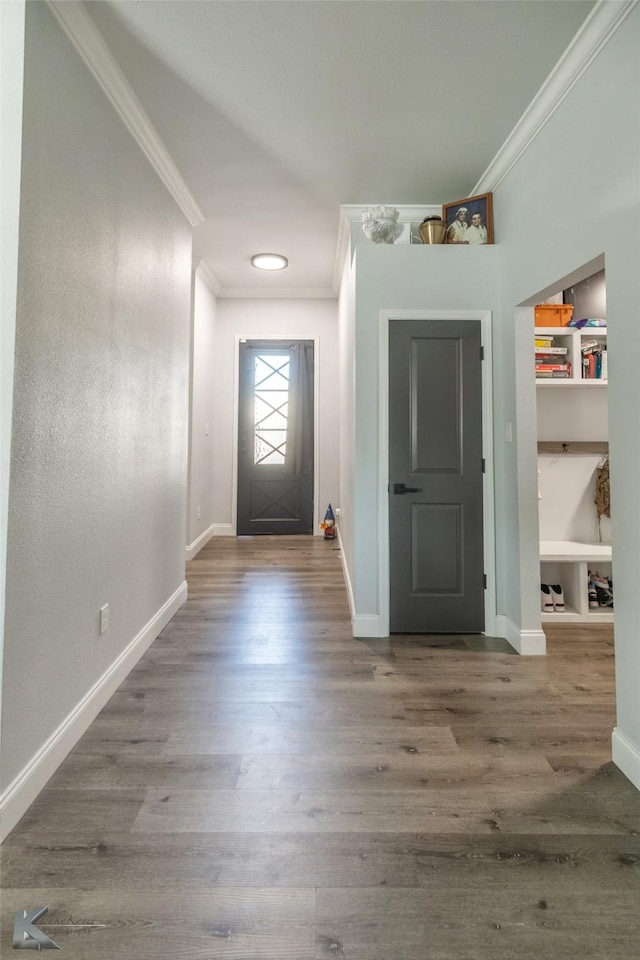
pixel 264 787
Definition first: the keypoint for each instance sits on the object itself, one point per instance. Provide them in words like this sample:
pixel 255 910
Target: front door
pixel 275 438
pixel 436 477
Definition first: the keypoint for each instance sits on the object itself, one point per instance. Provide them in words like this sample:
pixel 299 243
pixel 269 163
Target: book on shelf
pixel 552 366
pixel 553 374
pixel 546 351
pixel 544 341
pixel 594 365
pixel 594 360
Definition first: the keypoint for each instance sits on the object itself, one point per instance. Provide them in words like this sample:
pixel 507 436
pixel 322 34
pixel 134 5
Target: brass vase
pixel 432 230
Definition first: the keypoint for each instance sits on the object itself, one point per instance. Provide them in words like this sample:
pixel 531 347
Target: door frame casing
pixel 489 536
pixel 295 338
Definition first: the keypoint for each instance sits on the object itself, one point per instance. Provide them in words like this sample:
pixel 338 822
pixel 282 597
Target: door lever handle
pixel 400 488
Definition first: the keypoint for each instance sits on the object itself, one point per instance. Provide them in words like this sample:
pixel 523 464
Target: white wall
pixel 566 510
pixel 12 16
pixel 573 196
pixel 403 277
pixel 98 460
pixel 201 446
pixel 262 319
pixel 579 415
pixel 347 373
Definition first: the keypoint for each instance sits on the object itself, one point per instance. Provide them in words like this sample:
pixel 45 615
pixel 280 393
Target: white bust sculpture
pixel 380 223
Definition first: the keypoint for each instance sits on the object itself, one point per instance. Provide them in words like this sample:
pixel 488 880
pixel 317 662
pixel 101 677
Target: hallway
pixel 264 786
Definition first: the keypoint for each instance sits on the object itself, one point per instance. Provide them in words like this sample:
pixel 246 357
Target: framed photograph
pixel 469 221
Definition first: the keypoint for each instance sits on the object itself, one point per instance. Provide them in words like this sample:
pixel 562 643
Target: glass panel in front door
pixel 271 408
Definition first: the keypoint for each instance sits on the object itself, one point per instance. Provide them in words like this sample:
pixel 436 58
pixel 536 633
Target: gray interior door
pixel 436 477
pixel 275 441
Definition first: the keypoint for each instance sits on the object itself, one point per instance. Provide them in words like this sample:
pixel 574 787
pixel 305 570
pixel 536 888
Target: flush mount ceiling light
pixel 269 261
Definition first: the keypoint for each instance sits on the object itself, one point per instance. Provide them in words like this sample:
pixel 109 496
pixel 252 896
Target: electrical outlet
pixel 206 429
pixel 104 618
pixel 198 513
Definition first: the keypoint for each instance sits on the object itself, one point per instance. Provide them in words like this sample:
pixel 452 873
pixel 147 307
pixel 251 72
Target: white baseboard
pixel 199 543
pixel 215 530
pixel 626 757
pixel 223 530
pixel 345 574
pixel 529 643
pixel 367 625
pixel 19 795
pixel 363 626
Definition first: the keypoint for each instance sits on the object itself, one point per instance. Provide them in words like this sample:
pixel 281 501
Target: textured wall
pixel 98 475
pixel 201 449
pixel 12 18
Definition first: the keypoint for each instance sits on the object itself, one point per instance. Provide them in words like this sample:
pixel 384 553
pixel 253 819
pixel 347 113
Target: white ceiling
pixel 278 111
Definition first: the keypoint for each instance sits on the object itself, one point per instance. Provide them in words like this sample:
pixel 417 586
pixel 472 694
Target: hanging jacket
pixel 603 496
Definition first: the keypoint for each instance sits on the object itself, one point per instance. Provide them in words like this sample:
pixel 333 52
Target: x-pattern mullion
pixel 274 370
pixel 273 448
pixel 277 500
pixel 273 410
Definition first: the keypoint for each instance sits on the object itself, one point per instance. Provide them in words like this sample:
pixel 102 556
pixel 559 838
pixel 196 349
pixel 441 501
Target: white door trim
pixel 484 318
pixel 240 338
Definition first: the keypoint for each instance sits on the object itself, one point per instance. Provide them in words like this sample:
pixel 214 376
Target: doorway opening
pixel 572 434
pixel 275 460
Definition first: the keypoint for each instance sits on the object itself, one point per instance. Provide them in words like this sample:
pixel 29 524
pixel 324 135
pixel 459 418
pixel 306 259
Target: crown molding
pixel 277 293
pixel 206 274
pixel 208 277
pixel 87 40
pixel 407 212
pixel 595 33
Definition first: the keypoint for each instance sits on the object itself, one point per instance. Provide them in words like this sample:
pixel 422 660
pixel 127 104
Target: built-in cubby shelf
pixel 568 562
pixel 572 339
pixel 569 382
pixel 571 379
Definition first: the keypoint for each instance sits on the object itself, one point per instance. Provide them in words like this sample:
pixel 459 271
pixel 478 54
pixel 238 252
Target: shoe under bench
pixel 568 562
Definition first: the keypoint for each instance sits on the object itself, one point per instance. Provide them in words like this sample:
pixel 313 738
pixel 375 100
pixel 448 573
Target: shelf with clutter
pixel 571 356
pixel 573 431
pixel 583 570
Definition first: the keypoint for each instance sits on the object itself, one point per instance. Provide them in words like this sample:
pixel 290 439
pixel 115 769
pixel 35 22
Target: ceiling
pixel 276 112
